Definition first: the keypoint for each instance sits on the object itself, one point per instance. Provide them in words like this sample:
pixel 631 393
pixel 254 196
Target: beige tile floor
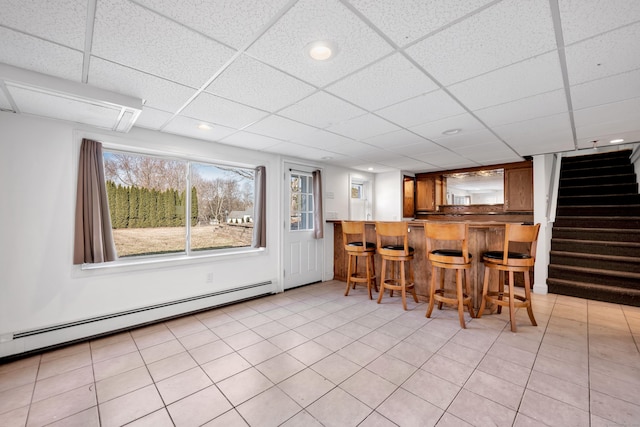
pixel 312 357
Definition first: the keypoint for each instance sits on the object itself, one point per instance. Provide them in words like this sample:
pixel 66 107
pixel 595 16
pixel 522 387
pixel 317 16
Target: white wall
pixel 388 200
pixel 40 287
pixel 542 168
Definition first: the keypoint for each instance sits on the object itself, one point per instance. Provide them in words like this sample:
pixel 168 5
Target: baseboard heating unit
pixel 38 339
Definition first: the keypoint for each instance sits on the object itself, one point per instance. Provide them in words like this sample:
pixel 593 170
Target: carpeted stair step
pixel 603 210
pixel 603 234
pixel 600 189
pixel 611 158
pixel 596 261
pixel 594 170
pixel 623 178
pixel 619 222
pixel 598 247
pixel 602 199
pixel 594 291
pixel 594 275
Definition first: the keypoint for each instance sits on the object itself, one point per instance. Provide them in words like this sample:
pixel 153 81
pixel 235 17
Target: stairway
pixel 595 244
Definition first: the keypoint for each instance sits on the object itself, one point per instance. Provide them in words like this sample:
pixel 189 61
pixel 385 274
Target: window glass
pixel 167 206
pixel 301 203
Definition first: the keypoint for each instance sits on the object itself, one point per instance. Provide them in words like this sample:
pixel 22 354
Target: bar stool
pixel 358 247
pixel 449 259
pixel 507 260
pixel 393 246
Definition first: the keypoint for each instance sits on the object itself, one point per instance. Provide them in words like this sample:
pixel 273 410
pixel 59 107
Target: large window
pixel 167 206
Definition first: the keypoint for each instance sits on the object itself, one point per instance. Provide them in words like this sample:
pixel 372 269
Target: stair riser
pixel 595 294
pixel 629 178
pixel 598 190
pixel 595 249
pixel 598 210
pixel 588 277
pixel 587 162
pixel 593 262
pixel 614 199
pixel 601 222
pixel 600 235
pixel 596 171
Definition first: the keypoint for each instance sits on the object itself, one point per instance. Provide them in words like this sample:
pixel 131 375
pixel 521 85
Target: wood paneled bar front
pixel 483 236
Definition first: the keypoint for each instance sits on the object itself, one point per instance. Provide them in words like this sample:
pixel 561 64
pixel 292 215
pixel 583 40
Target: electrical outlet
pixel 209 277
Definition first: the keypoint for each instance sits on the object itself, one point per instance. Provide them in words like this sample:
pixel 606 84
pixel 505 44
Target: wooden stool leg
pixel 349 272
pixel 382 279
pixel 512 309
pixel 460 298
pixel 467 281
pixel 501 280
pixel 355 270
pixel 432 291
pixel 403 285
pixel 442 274
pixel 485 288
pixel 367 267
pixel 527 295
pixel 413 283
pixel 373 270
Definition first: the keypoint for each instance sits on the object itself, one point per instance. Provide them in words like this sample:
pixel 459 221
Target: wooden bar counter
pixel 483 236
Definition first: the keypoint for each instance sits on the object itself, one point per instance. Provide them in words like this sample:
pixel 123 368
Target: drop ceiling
pixel 516 78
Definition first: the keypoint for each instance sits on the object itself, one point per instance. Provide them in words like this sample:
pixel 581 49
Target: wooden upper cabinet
pixel 426 193
pixel 408 197
pixel 518 189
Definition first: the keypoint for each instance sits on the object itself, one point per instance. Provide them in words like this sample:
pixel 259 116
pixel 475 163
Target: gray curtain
pixel 318 220
pixel 93 242
pixel 259 239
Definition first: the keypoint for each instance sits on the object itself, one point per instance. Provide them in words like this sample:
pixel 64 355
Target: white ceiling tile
pixel 295 150
pixel 321 110
pixel 354 148
pixel 395 139
pixel 541 105
pixel 611 53
pixel 406 164
pixel 281 128
pixel 186 126
pixel 609 89
pixel 150 118
pixel 44 57
pixel 373 168
pixel 387 82
pixel 413 149
pixel 623 116
pixel 538 136
pixel 445 160
pixel 363 127
pixel 587 18
pixel 417 18
pixel 4 102
pixel 375 154
pixel 322 139
pixel 250 140
pixel 253 83
pixel 531 77
pixel 463 141
pixel 160 93
pixel 43 18
pixel 500 35
pixel 433 130
pixel 130 35
pixel 283 46
pixel 603 140
pixel 230 21
pixel 488 154
pixel 213 109
pixel 422 109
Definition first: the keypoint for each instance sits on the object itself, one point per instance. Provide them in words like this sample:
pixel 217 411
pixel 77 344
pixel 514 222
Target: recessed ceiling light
pixel 370 169
pixel 204 126
pixel 321 50
pixel 451 131
pixel 326 158
pixel 616 141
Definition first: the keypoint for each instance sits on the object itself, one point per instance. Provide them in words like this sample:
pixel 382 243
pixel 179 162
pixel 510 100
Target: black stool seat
pixel 449 252
pixel 397 248
pixel 359 244
pixel 500 255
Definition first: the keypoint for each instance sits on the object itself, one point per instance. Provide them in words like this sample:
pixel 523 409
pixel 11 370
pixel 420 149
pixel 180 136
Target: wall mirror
pixel 359 198
pixel 485 187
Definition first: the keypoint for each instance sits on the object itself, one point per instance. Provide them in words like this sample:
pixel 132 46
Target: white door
pixel 303 254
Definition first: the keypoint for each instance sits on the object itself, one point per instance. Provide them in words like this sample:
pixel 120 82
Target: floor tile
pixel 335 368
pixel 309 352
pixel 288 340
pixel 302 419
pixel 338 408
pixel 229 419
pixel 280 367
pixel 359 353
pixel 559 389
pixel 199 408
pixel 15 398
pixel 407 409
pixel 258 353
pixel 66 351
pixel 61 383
pixel 244 385
pixel 306 387
pixel 185 326
pixel 496 389
pixel 159 418
pixel 552 412
pixel 86 418
pixel 225 367
pixel 368 388
pixel 61 406
pixel 391 369
pixel 183 384
pixel 171 366
pixel 311 330
pixel 198 339
pixel 161 351
pixel 113 350
pixel 333 340
pixel 154 338
pixel 270 408
pixel 243 339
pixel 131 406
pixel 478 410
pixel 16 417
pixel 121 384
pixel 375 419
pixel 117 365
pixel 431 388
pixel 410 353
pixel 270 329
pixel 211 351
pixel 64 364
